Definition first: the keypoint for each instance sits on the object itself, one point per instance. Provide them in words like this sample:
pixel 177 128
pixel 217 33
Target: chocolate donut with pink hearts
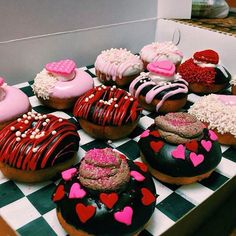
pixel 105 194
pixel 160 89
pixel 179 149
pixel 60 83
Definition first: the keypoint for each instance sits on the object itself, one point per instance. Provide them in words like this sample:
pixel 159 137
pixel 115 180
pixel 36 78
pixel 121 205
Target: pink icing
pixel 213 135
pixel 227 99
pixel 68 174
pixel 145 133
pixel 206 144
pixel 196 159
pixel 81 83
pixel 14 104
pixel 76 191
pixel 124 216
pixel 166 68
pixel 179 152
pixel 137 176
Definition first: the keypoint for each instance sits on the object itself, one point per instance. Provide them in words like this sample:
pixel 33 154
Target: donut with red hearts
pixel 106 112
pixel 105 194
pixel 204 72
pixel 36 147
pixel 179 149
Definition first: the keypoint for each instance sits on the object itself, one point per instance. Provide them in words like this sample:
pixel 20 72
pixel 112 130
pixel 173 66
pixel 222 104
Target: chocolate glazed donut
pixel 35 147
pixel 107 112
pixel 179 150
pixel 106 194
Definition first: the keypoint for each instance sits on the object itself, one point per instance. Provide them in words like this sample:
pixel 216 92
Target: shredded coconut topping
pixel 233 80
pixel 217 114
pixel 43 84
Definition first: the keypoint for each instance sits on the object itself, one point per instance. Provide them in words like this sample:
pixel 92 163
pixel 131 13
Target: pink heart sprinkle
pixel 76 191
pixel 64 67
pixel 2 81
pixel 166 65
pixel 145 133
pixel 213 135
pixel 137 176
pixel 67 174
pixel 196 159
pixel 179 152
pixel 124 216
pixel 207 145
pixel 166 68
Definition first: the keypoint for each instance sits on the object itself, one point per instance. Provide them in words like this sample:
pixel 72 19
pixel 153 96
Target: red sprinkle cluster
pixel 107 106
pixel 193 73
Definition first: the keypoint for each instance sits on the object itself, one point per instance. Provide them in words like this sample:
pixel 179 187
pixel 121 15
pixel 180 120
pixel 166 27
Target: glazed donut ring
pixel 180 163
pixel 107 112
pixel 35 147
pixel 124 210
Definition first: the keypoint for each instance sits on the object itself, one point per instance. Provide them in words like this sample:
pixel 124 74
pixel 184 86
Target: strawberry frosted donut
pixel 60 83
pixel 106 194
pixel 161 51
pixel 204 73
pixel 117 67
pixel 13 103
pixel 36 147
pixel 218 112
pixel 233 83
pixel 160 89
pixel 179 149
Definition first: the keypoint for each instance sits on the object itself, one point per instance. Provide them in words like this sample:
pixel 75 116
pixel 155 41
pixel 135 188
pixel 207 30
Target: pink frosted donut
pixel 13 103
pixel 60 83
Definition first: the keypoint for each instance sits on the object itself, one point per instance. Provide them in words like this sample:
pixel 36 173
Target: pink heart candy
pixel 196 159
pixel 76 191
pixel 212 135
pixel 166 68
pixel 68 174
pixel 2 81
pixel 179 152
pixel 207 145
pixel 124 216
pixel 145 133
pixel 137 176
pixel 64 67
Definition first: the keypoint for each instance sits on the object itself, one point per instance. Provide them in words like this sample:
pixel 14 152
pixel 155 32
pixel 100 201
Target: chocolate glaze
pixel 103 222
pixel 220 77
pixel 164 162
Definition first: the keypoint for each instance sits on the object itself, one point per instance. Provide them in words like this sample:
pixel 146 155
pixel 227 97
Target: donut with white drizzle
pixel 35 147
pixel 160 89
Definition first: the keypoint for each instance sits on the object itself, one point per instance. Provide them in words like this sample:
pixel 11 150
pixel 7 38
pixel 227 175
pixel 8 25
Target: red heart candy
pixel 192 146
pixel 84 212
pixel 208 56
pixel 141 165
pixel 59 194
pixel 155 133
pixel 109 199
pixel 156 145
pixel 148 198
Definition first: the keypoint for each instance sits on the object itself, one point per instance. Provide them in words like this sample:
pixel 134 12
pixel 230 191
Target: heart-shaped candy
pixel 196 159
pixel 165 67
pixel 124 216
pixel 207 56
pixel 76 191
pixel 145 133
pixel 109 199
pixel 84 212
pixel 137 176
pixel 179 152
pixel 156 145
pixel 148 198
pixel 155 133
pixel 192 145
pixel 59 194
pixel 213 135
pixel 64 67
pixel 141 165
pixel 68 174
pixel 206 144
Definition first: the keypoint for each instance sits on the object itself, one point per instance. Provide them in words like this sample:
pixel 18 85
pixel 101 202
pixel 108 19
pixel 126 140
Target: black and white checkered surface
pixel 28 207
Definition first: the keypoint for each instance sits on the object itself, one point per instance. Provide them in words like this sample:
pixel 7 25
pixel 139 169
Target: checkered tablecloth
pixel 28 207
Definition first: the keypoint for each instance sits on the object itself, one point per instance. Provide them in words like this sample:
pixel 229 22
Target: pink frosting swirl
pixel 165 68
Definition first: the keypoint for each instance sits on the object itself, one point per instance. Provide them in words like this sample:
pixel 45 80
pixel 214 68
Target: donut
pixel 117 67
pixel 160 89
pixel 204 73
pixel 13 103
pixel 60 83
pixel 106 112
pixel 36 147
pixel 233 83
pixel 178 149
pixel 106 194
pixel 159 51
pixel 218 112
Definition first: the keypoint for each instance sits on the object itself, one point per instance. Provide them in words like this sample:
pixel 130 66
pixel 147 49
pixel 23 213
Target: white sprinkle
pixel 115 99
pixel 29 117
pixel 26 122
pixel 54 132
pixel 99 89
pixel 114 86
pixel 18 133
pixel 37 130
pixel 24 116
pixel 44 116
pixel 19 119
pixel 35 150
pixel 29 113
pixel 44 123
pixel 101 101
pixel 37 136
pixel 126 97
pixel 13 128
pixel 60 120
pixel 33 132
pixel 86 99
pixel 129 94
pixel 40 117
pixel 36 118
pixel 109 141
pixel 116 105
pixel 47 120
pixel 33 115
pixel 18 139
pixel 31 136
pixel 131 99
pixel 23 135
